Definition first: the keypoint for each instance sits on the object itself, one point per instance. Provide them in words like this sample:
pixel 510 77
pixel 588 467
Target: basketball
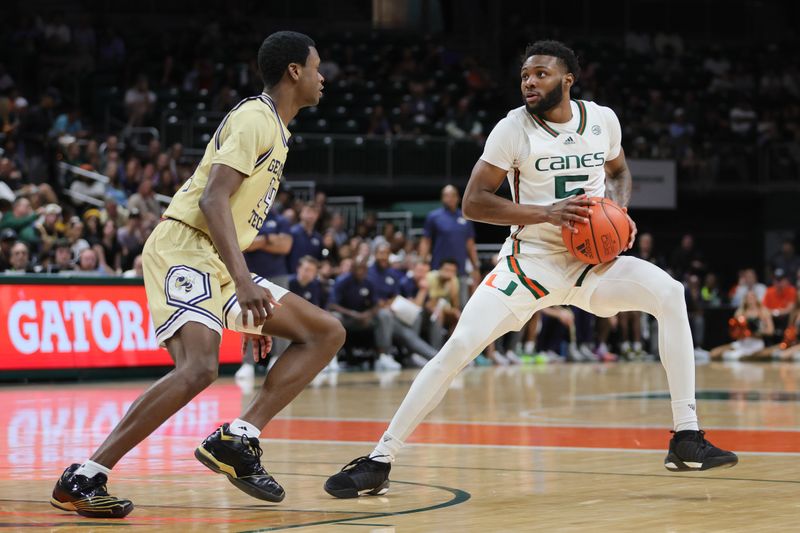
pixel 603 238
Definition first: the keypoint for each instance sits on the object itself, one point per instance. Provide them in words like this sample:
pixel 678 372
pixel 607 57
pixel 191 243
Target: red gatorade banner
pixel 83 326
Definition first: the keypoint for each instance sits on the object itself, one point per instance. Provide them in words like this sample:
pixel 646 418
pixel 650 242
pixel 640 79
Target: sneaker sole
pixel 673 464
pixel 353 493
pixel 210 462
pixel 70 507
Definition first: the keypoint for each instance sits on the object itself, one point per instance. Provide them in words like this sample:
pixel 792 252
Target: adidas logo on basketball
pixel 584 249
pixel 569 140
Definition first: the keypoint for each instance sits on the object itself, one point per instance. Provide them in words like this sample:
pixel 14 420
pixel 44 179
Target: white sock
pixel 387 449
pixel 89 469
pixel 242 427
pixel 684 415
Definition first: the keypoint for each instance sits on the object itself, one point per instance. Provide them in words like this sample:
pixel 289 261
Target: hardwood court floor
pixel 544 448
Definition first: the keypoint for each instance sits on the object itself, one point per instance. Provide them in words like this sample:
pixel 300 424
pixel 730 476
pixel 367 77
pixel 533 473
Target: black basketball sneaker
pixel 689 450
pixel 239 458
pixel 88 496
pixel 361 476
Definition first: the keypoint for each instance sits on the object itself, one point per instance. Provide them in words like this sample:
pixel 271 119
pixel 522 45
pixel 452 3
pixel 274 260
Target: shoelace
pixel 96 483
pixel 358 461
pixel 701 437
pixel 253 445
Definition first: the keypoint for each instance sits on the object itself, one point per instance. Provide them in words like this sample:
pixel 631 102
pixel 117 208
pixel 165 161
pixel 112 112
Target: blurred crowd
pixel 80 191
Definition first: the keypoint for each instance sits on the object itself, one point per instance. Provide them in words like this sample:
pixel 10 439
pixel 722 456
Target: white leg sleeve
pixel 632 284
pixel 484 319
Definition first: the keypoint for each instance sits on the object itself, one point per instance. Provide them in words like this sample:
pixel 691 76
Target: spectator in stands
pixel 7 239
pixel 748 281
pixel 378 123
pixel 21 219
pixel 144 200
pixel 136 271
pixel 306 284
pixel 140 102
pixel 33 130
pixel 686 259
pixel 444 304
pixel 710 291
pixel 112 210
pixel 68 123
pixel 752 323
pixel 448 234
pixel 780 298
pixel 131 239
pixel 463 124
pixel 92 228
pixel 89 264
pixel 787 260
pixel 110 249
pixel 305 240
pixel 386 281
pixel 266 257
pixel 75 236
pixel 9 118
pixel 354 302
pixel 50 227
pixel 63 260
pixel 19 260
pixel 415 287
pixel 330 250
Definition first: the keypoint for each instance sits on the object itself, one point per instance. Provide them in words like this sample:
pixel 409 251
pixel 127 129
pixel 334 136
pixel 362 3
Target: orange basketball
pixel 603 238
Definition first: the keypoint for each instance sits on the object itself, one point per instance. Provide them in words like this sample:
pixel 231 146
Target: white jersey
pixel 547 162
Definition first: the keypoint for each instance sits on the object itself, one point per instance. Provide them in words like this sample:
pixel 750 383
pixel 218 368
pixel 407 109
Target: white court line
pixel 578 424
pixel 515 446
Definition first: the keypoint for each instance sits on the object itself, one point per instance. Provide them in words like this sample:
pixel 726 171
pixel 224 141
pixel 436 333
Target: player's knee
pixel 200 373
pixel 671 293
pixel 328 332
pixel 335 334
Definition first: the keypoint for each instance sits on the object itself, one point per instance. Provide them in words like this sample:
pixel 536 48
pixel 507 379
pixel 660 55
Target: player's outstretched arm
pixel 215 204
pixel 481 204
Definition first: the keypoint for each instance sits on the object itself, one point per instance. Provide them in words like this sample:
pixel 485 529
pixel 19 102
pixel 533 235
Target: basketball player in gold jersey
pixel 197 283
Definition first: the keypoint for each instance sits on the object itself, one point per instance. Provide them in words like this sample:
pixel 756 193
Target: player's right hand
pixel 255 299
pixel 567 213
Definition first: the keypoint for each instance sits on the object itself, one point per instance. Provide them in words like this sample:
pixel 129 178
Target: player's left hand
pixel 633 230
pixel 262 344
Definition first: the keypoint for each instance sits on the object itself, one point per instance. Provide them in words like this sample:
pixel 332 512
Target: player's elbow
pixel 205 203
pixel 469 207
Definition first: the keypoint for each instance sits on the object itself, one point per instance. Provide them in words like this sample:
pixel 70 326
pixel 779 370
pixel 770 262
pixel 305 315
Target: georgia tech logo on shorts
pixel 186 285
pixel 185 282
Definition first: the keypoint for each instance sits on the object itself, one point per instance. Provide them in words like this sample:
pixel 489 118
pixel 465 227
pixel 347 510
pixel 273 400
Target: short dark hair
pixel 310 260
pixel 448 261
pixel 278 51
pixel 555 49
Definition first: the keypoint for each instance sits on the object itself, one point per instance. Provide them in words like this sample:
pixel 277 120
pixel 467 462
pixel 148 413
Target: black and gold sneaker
pixel 88 496
pixel 689 450
pixel 361 476
pixel 239 458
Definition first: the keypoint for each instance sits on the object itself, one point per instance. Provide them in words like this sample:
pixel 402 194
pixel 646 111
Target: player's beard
pixel 545 103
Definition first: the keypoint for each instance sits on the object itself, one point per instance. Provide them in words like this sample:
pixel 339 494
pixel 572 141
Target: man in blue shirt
pixel 266 257
pixel 354 302
pixel 306 240
pixel 305 283
pixel 387 285
pixel 448 234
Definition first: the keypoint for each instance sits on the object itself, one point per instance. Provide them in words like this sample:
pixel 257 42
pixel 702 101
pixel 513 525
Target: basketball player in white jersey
pixel 555 153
